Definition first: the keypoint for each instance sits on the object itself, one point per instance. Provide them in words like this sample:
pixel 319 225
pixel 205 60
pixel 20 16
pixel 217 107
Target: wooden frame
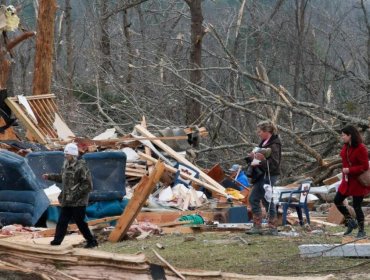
pixel 45 110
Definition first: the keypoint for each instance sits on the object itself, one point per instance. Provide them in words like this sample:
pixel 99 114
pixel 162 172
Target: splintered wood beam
pixel 168 265
pixel 141 194
pixel 148 151
pixel 179 158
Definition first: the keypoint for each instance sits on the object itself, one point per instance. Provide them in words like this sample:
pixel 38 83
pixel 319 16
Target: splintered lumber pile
pixel 209 183
pixel 185 175
pixel 135 170
pixel 66 262
pixel 141 194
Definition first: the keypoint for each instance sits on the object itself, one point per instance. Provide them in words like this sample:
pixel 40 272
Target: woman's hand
pixel 259 156
pixel 45 176
pixel 345 170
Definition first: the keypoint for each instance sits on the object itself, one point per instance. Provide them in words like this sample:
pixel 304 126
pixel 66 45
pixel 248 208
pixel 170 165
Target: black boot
pixel 351 225
pixel 361 230
pixel 54 243
pixel 91 244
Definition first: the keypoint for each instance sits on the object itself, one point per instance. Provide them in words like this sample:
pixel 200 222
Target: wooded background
pixel 225 65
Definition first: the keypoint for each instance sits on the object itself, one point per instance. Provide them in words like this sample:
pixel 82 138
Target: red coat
pixel 357 162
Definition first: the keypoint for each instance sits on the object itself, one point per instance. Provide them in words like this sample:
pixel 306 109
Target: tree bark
pixel 193 109
pixel 44 47
pixel 300 14
pixel 104 46
pixel 126 29
pixel 69 43
pixel 368 48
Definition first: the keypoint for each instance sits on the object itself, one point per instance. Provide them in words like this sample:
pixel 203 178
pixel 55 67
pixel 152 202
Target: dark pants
pixel 78 214
pixel 357 201
pixel 258 194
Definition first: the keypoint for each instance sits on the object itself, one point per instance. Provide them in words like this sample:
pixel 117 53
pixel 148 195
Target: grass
pixel 225 251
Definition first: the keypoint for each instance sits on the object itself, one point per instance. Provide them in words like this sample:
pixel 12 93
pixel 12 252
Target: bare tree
pixel 44 47
pixel 193 108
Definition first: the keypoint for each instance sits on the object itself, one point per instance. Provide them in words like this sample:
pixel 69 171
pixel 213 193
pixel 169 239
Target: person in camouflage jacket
pixel 75 179
pixel 76 186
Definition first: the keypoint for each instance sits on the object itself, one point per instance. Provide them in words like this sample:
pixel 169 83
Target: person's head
pixel 265 129
pixel 71 151
pixel 350 135
pixel 234 169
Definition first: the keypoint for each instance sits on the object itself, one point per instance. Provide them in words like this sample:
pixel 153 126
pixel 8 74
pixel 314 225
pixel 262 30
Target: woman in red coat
pixel 355 161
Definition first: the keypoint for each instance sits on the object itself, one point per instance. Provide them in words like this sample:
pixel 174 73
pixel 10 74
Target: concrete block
pixel 335 250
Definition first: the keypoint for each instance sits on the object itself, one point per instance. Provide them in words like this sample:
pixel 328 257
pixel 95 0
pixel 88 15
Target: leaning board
pixel 48 125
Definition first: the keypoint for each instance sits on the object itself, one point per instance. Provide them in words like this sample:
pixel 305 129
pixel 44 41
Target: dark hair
pixel 356 138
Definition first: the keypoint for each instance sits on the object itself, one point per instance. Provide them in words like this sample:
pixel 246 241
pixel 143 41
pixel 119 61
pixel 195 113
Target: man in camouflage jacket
pixel 75 178
pixel 76 186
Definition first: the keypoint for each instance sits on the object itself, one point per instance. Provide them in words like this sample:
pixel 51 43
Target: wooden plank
pixel 175 223
pixel 138 174
pixel 42 118
pixel 169 265
pixel 141 194
pixel 136 165
pixel 35 97
pixel 148 151
pixel 332 180
pixel 320 222
pixel 136 170
pixel 216 173
pixel 180 158
pixel 52 104
pixel 18 112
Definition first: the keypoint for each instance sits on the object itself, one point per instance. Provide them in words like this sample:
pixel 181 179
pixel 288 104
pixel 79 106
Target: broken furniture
pixel 39 114
pixel 45 162
pixel 301 204
pixel 183 168
pixel 107 171
pixel 211 184
pixel 108 175
pixel 22 198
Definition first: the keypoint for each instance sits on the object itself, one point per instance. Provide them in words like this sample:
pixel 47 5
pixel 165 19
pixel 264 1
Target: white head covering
pixel 71 149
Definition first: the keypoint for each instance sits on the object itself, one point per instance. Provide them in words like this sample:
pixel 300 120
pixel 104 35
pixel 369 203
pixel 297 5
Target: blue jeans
pixel 258 194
